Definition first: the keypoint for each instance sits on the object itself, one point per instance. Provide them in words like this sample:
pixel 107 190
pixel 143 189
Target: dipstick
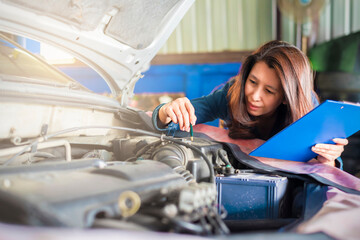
pixel 191 133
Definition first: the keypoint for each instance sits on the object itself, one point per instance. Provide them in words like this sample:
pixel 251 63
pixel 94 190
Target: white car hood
pixel 118 38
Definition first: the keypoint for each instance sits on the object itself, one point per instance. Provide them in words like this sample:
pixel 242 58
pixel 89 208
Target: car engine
pixel 135 180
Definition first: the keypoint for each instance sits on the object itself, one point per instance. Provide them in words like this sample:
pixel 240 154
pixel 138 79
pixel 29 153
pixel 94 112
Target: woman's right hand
pixel 179 111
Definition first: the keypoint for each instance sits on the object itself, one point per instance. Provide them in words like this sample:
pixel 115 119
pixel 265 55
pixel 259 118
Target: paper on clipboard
pixel 331 119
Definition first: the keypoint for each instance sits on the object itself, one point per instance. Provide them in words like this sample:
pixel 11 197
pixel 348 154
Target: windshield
pixel 16 64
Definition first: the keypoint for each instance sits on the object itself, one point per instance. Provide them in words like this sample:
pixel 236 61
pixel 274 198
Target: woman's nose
pixel 256 94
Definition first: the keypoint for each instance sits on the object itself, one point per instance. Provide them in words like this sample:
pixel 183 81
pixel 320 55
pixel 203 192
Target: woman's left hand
pixel 329 152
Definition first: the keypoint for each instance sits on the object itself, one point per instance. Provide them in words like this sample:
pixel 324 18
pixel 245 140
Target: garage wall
pixel 238 25
pixel 223 25
pixel 339 18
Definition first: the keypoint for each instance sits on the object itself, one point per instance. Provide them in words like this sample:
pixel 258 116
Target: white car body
pixel 91 31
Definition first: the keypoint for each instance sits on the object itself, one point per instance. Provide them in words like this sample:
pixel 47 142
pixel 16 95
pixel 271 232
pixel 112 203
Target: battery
pixel 250 196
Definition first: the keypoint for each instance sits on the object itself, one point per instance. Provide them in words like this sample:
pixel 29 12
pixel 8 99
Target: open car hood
pixel 117 38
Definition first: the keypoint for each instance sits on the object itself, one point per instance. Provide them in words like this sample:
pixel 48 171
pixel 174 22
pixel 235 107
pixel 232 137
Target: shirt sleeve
pixel 339 163
pixel 212 106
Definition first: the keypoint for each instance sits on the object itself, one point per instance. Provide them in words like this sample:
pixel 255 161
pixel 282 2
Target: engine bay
pixel 135 180
pixel 103 184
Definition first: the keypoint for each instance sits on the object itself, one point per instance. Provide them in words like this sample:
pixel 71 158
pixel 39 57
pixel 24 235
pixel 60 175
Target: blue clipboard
pixel 331 119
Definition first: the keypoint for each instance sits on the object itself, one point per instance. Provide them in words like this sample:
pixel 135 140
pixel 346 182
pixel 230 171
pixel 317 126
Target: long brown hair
pixel 296 77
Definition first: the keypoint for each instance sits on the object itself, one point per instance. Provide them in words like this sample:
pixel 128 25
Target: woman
pixel 273 89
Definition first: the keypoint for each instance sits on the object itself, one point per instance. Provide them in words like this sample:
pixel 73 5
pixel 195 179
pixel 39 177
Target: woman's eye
pixel 271 92
pixel 252 81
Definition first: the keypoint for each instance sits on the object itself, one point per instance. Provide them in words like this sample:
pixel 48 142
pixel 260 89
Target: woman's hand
pixel 329 152
pixel 179 111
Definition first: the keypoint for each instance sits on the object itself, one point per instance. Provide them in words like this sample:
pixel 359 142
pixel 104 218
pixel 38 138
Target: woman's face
pixel 263 91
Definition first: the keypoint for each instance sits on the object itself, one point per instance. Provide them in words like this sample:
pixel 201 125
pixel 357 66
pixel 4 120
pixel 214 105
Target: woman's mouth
pixel 252 107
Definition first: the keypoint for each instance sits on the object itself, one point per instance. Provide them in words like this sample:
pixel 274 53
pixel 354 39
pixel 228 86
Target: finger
pixel 179 116
pixel 185 116
pixel 334 152
pixel 329 154
pixel 330 147
pixel 169 111
pixel 341 141
pixel 190 108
